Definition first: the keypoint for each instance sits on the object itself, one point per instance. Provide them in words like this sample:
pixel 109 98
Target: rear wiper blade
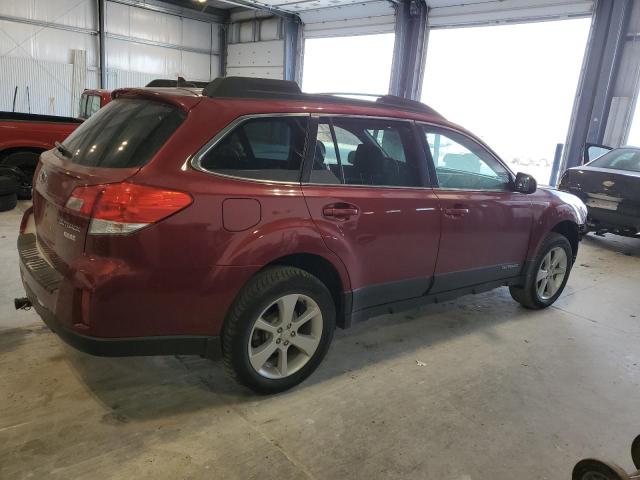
pixel 63 150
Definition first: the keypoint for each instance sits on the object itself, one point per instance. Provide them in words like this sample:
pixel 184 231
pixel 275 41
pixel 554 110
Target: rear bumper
pixel 600 219
pixel 46 288
pixel 209 347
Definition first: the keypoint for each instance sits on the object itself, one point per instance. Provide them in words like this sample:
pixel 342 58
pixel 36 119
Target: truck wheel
pixel 635 452
pixel 278 329
pixel 591 469
pixel 547 275
pixel 26 162
pixel 8 202
pixel 8 199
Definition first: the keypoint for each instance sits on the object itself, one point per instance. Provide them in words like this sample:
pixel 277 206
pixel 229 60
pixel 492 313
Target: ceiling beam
pixel 253 5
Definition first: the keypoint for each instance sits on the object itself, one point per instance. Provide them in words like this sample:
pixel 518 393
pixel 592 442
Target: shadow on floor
pixel 13 338
pixel 152 387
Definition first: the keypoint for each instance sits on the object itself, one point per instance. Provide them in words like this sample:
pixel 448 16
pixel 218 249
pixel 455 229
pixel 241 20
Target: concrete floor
pixel 499 393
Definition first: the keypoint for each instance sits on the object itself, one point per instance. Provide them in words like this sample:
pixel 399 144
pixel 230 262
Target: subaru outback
pixel 247 220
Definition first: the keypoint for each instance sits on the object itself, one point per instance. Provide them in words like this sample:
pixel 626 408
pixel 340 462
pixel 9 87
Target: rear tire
pixel 278 330
pixel 547 275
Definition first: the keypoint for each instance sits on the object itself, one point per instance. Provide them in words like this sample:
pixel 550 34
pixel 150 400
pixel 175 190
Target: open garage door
pixel 348 48
pixel 513 85
pixel 363 18
pixel 454 13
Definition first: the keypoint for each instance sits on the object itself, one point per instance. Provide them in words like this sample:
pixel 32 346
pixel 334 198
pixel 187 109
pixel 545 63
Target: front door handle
pixel 340 211
pixel 456 212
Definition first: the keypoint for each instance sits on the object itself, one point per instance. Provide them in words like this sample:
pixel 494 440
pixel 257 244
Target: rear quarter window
pixel 262 148
pixel 125 133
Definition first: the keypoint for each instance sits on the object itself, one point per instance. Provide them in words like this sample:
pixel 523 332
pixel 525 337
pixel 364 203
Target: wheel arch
pixel 4 153
pixel 327 273
pixel 570 230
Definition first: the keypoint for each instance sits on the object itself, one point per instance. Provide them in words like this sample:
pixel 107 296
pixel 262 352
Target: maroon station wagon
pixel 247 220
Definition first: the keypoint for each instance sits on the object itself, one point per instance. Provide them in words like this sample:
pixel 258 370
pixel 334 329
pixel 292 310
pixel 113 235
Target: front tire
pixel 278 330
pixel 547 274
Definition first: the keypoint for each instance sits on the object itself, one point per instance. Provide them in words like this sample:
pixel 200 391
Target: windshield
pixel 621 159
pixel 125 133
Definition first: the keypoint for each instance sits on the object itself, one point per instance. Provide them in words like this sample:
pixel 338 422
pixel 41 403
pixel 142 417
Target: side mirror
pixel 525 183
pixel 593 151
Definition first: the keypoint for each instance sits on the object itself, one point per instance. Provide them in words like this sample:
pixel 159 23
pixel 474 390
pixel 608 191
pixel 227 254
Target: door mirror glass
pixel 525 183
pixel 593 151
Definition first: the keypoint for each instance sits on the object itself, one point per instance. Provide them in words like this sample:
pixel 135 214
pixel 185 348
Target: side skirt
pixel 416 302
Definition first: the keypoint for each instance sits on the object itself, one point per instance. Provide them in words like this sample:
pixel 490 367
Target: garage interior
pixel 473 388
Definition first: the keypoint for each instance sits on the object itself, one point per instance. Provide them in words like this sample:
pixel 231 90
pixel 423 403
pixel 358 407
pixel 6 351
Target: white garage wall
pixel 143 45
pixel 38 39
pixel 255 46
pixel 43 87
pixel 37 43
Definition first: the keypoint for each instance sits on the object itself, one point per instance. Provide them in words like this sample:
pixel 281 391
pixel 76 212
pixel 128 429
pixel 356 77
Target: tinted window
pixel 364 152
pixel 463 164
pixel 266 148
pixel 621 159
pixel 125 133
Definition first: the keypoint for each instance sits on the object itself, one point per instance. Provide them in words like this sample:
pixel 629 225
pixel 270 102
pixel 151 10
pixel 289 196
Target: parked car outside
pixel 247 220
pixel 610 187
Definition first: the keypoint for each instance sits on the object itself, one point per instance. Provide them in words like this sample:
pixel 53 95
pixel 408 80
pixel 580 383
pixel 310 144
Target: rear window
pixel 125 133
pixel 620 159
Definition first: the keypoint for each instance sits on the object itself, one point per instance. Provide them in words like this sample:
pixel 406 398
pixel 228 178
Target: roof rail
pixel 246 87
pixel 395 101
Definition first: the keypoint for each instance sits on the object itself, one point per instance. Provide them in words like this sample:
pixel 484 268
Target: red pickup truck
pixel 24 136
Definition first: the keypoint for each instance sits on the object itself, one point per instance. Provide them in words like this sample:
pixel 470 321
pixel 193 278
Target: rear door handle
pixel 456 212
pixel 340 211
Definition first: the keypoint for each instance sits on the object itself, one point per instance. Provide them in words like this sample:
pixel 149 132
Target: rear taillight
pixel 121 208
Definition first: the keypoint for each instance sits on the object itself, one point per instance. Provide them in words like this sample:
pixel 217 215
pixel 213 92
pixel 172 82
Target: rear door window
pixel 263 148
pixel 125 133
pixel 365 151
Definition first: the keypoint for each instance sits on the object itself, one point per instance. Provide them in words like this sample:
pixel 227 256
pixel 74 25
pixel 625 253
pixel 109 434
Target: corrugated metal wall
pixel 48 84
pixel 161 45
pixel 38 39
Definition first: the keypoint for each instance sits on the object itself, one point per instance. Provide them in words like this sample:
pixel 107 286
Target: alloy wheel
pixel 285 336
pixel 551 273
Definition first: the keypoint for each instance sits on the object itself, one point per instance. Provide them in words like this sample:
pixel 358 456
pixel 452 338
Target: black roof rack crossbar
pixel 180 82
pixel 257 88
pixel 250 87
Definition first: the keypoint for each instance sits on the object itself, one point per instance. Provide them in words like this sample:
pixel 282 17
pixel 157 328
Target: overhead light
pixel 201 1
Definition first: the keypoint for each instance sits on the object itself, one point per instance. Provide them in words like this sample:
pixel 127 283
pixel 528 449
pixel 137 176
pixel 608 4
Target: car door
pixel 485 224
pixel 366 192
